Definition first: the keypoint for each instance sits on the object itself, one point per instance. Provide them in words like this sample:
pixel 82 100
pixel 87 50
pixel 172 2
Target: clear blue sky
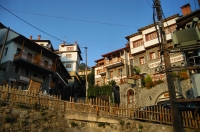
pixel 100 25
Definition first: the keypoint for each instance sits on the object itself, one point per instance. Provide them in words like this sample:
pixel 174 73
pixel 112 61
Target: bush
pixel 183 75
pixel 122 122
pixel 73 124
pixel 2 103
pixel 22 106
pixel 148 79
pixel 128 123
pixel 101 124
pixel 159 82
pixel 150 84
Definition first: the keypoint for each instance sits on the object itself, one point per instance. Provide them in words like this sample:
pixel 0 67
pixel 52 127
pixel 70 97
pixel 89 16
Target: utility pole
pixel 86 80
pixel 176 120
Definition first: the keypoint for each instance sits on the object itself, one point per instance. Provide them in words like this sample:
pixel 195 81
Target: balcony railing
pixel 114 62
pixel 101 71
pixel 137 49
pixel 24 56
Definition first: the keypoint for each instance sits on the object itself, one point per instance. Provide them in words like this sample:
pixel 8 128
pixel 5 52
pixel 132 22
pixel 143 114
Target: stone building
pixel 112 66
pixel 145 52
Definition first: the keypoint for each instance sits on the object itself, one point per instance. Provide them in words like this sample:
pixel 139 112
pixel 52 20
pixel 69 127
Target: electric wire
pixel 32 25
pixel 59 17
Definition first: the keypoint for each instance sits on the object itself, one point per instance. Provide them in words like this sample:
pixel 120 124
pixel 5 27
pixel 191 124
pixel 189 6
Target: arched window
pixel 130 95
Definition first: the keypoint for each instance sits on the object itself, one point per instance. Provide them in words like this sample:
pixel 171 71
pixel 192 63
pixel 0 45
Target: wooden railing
pixel 97 107
pixel 33 60
pixel 115 60
pixel 162 115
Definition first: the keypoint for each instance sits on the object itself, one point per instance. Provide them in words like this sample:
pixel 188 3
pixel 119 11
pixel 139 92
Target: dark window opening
pixel 6 51
pixel 17 69
pixel 27 73
pixel 35 75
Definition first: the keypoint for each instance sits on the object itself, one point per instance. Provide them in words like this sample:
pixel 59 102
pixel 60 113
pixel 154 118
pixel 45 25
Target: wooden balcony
pixel 33 62
pixel 101 71
pixel 115 62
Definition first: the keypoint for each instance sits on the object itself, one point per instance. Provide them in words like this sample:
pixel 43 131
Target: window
pixel 18 51
pixel 111 73
pixel 46 63
pixel 170 29
pixel 35 75
pixel 151 36
pixel 27 73
pixel 68 55
pixel 29 56
pixel 158 53
pixel 70 48
pixel 43 77
pixel 137 43
pixel 130 95
pixel 68 66
pixel 17 69
pixel 142 61
pixel 98 83
pixel 6 50
pixel 119 72
pixel 152 55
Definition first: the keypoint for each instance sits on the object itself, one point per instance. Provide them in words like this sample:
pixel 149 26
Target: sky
pixel 99 25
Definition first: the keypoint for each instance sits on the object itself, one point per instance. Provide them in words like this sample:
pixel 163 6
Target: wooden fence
pixel 98 107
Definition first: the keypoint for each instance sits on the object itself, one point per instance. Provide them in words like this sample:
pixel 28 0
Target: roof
pixel 149 26
pixel 181 21
pixel 99 60
pixel 36 40
pixel 115 51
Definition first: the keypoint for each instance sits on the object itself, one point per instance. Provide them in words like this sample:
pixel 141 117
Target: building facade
pixel 26 65
pixel 70 55
pixel 145 52
pixel 113 66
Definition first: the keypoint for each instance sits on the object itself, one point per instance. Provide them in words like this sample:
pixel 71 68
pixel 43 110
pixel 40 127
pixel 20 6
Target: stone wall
pixel 20 118
pixel 146 97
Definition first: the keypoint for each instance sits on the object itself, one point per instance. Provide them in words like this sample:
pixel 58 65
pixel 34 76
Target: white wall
pixel 12 50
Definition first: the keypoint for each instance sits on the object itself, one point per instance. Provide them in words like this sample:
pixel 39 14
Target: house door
pixel 130 96
pixel 34 86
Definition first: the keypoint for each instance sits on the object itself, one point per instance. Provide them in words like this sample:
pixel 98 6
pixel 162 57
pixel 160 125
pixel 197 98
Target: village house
pixel 145 52
pixel 26 65
pixel 70 56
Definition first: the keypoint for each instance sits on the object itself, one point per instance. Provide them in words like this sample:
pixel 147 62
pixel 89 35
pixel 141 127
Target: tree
pixel 91 78
pixel 82 66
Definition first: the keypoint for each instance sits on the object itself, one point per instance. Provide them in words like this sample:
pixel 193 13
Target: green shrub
pixel 22 106
pixel 73 124
pixel 121 122
pixel 150 84
pixel 148 79
pixel 2 103
pixel 159 82
pixel 137 70
pixel 183 75
pixel 8 119
pixel 140 127
pixel 101 124
pixel 128 123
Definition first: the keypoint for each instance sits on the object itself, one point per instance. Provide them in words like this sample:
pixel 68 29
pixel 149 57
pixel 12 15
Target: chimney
pixel 31 37
pixel 39 36
pixel 186 9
